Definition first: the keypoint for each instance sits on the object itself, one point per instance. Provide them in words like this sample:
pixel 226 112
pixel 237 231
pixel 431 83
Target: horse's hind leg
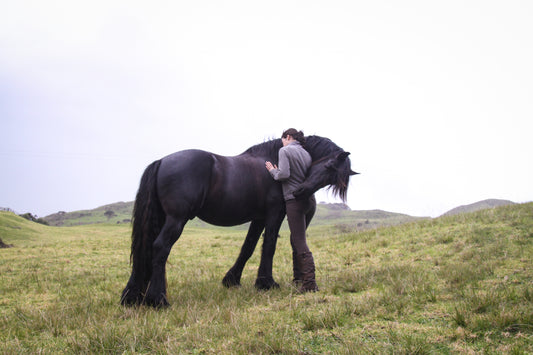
pixel 156 294
pixel 233 276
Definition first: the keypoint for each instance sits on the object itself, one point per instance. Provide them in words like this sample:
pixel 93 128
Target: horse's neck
pixel 320 147
pixel 268 150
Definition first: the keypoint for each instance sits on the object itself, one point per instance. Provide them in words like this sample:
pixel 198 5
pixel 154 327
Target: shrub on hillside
pixel 31 217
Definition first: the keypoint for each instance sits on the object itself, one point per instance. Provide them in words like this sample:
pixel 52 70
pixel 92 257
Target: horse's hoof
pixel 163 303
pixel 129 301
pixel 231 281
pixel 130 298
pixel 264 284
pixel 156 302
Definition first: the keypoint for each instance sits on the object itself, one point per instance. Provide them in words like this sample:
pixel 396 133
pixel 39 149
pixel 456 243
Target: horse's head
pixel 333 170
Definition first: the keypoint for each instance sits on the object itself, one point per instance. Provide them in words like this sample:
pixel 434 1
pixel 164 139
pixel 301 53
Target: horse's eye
pixel 330 165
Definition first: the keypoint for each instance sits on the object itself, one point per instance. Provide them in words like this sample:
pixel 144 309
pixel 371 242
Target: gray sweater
pixel 294 161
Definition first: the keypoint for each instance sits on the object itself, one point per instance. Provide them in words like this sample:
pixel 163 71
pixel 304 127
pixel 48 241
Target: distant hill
pixel 341 216
pixel 119 212
pixel 335 214
pixel 481 205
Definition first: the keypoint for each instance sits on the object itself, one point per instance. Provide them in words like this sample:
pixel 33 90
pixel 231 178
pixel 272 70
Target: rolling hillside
pixel 114 213
pixel 477 206
pixel 327 214
pixel 335 214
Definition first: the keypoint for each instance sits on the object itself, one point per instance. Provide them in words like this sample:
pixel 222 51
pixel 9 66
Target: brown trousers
pixel 299 215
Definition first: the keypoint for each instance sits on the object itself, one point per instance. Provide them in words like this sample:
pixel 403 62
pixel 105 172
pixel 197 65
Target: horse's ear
pixel 342 156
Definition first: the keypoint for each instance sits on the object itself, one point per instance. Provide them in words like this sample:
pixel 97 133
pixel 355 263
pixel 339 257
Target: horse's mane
pixel 268 149
pixel 320 147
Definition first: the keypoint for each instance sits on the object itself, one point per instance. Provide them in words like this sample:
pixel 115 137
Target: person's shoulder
pixel 297 147
pixel 294 145
pixel 284 149
pixel 288 148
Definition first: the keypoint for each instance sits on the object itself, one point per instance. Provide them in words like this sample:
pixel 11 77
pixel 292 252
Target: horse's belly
pixel 240 190
pixel 223 222
pixel 229 214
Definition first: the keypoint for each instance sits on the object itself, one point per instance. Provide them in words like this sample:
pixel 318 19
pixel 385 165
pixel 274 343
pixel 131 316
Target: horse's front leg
pixel 264 280
pixel 233 276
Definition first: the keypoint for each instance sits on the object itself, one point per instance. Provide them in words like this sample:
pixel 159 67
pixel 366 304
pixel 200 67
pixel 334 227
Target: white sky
pixel 432 98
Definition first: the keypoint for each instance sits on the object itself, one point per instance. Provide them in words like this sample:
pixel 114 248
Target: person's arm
pixel 283 171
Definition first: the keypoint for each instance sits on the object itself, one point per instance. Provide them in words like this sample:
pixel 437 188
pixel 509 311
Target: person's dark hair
pixel 298 135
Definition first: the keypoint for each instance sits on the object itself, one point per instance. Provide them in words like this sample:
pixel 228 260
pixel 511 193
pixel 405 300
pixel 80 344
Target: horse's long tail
pixel 148 219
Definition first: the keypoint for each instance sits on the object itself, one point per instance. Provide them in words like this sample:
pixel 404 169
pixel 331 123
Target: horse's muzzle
pixel 301 192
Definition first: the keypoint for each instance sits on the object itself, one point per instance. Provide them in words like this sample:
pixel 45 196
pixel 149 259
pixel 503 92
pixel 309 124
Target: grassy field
pixel 458 284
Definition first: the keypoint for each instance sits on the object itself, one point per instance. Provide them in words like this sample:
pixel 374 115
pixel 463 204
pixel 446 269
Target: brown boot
pixel 307 268
pixel 297 281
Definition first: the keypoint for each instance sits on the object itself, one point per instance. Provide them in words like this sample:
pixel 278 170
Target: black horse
pixel 224 191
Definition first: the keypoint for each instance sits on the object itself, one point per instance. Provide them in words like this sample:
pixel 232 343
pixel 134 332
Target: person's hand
pixel 269 166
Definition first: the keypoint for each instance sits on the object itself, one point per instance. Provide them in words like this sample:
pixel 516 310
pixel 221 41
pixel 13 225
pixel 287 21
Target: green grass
pixel 458 284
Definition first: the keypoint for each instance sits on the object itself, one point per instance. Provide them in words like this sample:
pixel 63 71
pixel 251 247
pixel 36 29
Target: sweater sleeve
pixel 284 170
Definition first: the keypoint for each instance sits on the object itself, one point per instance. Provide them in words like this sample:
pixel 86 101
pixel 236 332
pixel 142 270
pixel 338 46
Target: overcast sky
pixel 434 99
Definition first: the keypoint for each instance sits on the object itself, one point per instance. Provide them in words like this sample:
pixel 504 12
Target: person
pixel 294 161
